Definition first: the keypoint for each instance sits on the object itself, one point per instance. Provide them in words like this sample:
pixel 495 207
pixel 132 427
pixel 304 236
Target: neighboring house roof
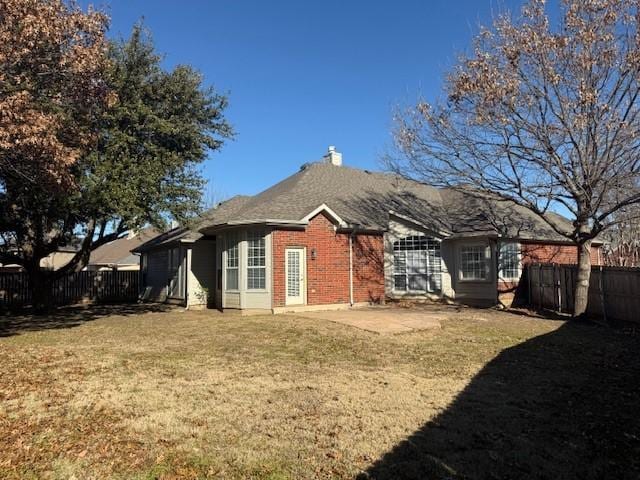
pixel 118 252
pixel 365 200
pixel 175 235
pixel 72 248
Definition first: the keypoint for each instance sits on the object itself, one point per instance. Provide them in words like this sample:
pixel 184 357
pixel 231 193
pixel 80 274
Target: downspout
pixel 351 268
pixel 187 269
pixel 140 275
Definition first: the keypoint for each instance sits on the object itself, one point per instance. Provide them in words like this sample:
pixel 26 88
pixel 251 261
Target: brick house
pixel 333 236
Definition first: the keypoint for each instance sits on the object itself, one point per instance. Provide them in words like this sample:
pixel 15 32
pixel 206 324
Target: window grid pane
pixel 256 261
pixel 473 262
pixel 232 262
pixel 417 264
pixel 256 278
pixel 293 274
pixel 510 261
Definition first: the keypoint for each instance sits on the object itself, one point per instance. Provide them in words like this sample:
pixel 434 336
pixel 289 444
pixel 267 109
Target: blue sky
pixel 303 75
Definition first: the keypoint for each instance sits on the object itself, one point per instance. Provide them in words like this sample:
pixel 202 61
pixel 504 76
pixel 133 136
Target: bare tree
pixel 213 197
pixel 546 117
pixel 623 240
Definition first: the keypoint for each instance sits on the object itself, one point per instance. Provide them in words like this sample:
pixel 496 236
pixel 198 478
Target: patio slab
pixel 387 320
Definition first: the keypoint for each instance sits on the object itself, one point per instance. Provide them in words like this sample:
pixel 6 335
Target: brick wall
pixel 547 253
pixel 368 268
pixel 328 274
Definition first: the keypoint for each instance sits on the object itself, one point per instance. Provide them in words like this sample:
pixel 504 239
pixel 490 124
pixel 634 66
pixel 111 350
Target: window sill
pixel 415 292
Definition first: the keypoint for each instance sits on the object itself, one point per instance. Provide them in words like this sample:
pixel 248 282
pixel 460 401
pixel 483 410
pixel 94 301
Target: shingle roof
pixel 364 198
pixel 186 234
pixel 166 238
pixel 473 214
pixel 118 252
pixel 357 196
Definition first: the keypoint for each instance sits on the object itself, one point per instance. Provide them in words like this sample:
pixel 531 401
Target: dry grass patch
pixel 202 395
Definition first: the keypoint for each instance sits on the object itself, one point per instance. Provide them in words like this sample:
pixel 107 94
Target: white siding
pixel 201 279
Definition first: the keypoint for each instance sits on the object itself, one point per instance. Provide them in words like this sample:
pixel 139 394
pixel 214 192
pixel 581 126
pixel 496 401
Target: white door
pixel 295 270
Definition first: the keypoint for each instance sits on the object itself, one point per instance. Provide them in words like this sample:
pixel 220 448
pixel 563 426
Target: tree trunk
pixel 581 294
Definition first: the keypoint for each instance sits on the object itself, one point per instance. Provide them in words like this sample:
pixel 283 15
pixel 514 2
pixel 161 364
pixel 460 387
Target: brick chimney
pixel 333 157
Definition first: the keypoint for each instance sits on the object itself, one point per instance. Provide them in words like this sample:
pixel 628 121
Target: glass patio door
pixel 295 271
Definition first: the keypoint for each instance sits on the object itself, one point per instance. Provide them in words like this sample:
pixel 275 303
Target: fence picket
pixel 614 292
pixel 104 286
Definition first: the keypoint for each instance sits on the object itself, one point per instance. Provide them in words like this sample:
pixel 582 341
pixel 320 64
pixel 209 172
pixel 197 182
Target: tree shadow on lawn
pixel 72 316
pixel 561 405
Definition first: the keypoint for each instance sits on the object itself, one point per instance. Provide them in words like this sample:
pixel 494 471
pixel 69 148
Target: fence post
pixel 541 285
pixel 602 298
pixel 529 272
pixel 556 280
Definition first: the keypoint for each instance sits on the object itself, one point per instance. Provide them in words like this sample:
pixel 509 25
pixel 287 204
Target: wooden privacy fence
pixel 91 286
pixel 614 292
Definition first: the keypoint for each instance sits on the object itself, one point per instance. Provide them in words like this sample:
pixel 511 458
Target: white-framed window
pixel 417 265
pixel 474 262
pixel 509 260
pixel 256 261
pixel 233 262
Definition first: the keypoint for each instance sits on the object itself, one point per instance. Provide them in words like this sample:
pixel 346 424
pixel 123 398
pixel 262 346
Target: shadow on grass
pixel 69 317
pixel 562 405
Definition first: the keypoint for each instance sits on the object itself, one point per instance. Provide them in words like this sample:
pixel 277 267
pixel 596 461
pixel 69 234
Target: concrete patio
pixel 388 319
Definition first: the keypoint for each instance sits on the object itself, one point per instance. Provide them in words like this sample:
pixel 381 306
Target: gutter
pixel 351 269
pixel 211 229
pixel 351 237
pixel 186 272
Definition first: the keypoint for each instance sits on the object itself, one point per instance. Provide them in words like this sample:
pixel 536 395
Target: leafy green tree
pixel 142 168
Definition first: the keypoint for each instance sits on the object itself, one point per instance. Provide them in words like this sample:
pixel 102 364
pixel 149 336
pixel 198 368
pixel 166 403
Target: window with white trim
pixel 509 261
pixel 256 261
pixel 232 262
pixel 417 265
pixel 474 264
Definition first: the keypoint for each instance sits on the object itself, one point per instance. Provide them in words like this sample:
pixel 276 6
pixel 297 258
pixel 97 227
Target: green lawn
pixel 174 394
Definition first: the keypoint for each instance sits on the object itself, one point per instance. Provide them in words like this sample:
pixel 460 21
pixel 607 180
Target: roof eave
pixel 267 222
